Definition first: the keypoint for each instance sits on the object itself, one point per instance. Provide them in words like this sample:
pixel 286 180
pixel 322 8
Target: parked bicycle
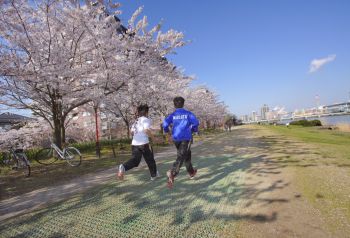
pixel 49 155
pixel 17 160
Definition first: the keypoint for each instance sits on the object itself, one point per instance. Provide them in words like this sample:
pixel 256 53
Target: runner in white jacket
pixel 141 131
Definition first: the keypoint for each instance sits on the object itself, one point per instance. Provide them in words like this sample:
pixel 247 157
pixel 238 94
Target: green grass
pixel 314 134
pixel 324 181
pixel 330 143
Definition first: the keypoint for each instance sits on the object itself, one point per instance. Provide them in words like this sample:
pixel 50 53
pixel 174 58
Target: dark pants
pixel 137 152
pixel 183 155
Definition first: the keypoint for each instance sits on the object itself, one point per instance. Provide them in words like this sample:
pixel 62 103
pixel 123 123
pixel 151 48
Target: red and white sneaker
pixel 170 179
pixel 121 172
pixel 193 174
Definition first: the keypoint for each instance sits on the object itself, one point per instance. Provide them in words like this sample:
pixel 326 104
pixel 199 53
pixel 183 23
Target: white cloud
pixel 316 64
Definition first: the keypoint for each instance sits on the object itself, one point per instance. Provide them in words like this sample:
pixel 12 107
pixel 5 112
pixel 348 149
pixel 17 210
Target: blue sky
pixel 257 52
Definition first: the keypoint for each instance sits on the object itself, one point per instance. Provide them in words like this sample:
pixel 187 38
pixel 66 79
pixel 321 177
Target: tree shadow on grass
pixel 200 206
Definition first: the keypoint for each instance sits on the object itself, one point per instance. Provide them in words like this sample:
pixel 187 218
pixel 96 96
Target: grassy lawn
pixel 314 134
pixel 329 142
pixel 324 176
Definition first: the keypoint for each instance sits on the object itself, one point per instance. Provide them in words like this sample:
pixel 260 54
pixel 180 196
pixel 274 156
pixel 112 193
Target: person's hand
pixel 169 139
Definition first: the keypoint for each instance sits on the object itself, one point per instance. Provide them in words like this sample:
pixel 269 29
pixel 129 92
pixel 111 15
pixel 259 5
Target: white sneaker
pixel 157 176
pixel 121 172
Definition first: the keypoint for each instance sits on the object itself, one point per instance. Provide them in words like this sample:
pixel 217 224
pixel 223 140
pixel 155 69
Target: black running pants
pixel 137 152
pixel 183 155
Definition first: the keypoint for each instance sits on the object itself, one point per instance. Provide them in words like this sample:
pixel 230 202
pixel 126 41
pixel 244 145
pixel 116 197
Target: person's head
pixel 142 110
pixel 179 102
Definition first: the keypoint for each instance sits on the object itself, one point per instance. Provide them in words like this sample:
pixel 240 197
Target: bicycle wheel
pixel 72 156
pixel 46 156
pixel 23 165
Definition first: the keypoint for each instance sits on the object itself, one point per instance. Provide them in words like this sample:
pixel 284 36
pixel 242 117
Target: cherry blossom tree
pixel 58 55
pixel 206 106
pixel 32 134
pixel 52 53
pixel 150 76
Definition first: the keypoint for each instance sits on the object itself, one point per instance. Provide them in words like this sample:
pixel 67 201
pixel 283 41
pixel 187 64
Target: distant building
pixel 264 110
pixel 338 107
pixel 321 110
pixel 245 118
pixel 84 117
pixel 254 116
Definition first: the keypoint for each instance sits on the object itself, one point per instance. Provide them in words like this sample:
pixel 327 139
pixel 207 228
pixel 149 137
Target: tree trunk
pixel 63 132
pixel 208 124
pixel 57 134
pixel 127 128
pixel 98 149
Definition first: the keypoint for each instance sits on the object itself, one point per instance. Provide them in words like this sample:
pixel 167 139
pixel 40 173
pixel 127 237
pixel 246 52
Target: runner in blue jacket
pixel 184 123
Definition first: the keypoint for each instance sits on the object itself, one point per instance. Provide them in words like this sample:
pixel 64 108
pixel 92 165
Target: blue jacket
pixel 184 123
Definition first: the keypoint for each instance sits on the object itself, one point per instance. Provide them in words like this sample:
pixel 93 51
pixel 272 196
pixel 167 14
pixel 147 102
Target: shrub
pixel 91 145
pixel 2 157
pixel 29 153
pixel 306 123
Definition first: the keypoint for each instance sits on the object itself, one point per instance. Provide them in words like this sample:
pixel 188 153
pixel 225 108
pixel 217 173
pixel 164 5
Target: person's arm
pixel 147 129
pixel 149 133
pixel 166 123
pixel 194 123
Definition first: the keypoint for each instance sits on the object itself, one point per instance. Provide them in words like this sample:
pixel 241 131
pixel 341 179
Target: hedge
pixel 306 123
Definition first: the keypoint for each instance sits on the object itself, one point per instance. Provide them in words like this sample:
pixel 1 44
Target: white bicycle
pixel 48 156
